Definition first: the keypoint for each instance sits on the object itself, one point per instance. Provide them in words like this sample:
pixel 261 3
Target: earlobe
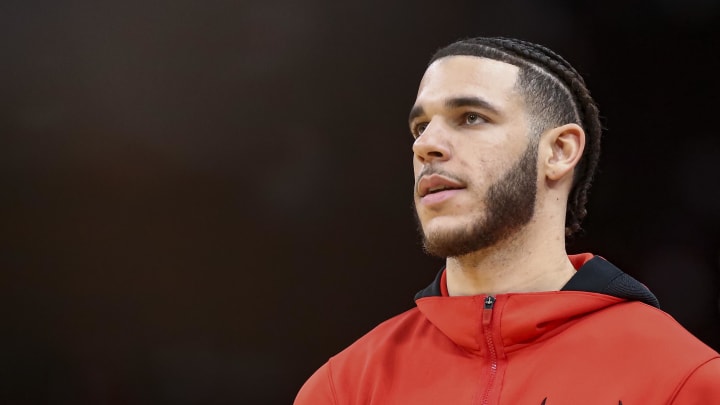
pixel 565 145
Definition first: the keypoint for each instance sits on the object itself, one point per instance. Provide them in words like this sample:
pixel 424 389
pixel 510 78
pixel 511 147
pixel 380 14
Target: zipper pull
pixel 487 312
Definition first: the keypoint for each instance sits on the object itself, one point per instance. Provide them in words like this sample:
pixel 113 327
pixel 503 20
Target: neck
pixel 526 262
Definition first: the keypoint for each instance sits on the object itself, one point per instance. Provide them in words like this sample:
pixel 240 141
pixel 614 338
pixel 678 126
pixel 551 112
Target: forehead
pixel 468 76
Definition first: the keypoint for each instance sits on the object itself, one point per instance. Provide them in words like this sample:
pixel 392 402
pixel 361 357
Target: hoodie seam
pixel 332 383
pixel 685 379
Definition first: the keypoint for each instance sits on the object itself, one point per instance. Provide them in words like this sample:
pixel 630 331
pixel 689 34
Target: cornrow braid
pixel 555 94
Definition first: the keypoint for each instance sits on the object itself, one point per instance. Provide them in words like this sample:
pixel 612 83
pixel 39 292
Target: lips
pixel 436 183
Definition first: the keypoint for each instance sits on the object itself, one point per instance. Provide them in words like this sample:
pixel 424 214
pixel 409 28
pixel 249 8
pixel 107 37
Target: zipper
pixel 492 352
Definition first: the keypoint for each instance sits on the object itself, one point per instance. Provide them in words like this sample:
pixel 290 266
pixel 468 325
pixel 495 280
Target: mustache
pixel 430 170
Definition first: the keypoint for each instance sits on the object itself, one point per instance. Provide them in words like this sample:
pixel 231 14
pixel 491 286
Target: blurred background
pixel 202 201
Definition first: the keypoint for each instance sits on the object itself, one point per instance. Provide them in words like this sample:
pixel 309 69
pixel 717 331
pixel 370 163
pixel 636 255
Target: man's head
pixel 481 110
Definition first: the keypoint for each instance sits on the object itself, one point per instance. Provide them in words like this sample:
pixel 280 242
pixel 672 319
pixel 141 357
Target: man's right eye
pixel 418 129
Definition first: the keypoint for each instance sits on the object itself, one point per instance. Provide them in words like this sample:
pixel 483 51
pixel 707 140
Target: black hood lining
pixel 597 275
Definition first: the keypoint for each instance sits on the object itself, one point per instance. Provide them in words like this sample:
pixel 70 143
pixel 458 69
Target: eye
pixel 472 118
pixel 418 129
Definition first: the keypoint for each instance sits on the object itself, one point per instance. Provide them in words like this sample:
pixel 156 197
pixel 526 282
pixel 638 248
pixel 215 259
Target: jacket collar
pixel 594 274
pixel 517 319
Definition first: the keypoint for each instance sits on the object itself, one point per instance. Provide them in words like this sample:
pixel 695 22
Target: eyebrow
pixel 457 102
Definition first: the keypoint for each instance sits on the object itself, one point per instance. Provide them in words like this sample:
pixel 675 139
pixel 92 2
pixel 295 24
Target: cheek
pixel 417 166
pixel 481 171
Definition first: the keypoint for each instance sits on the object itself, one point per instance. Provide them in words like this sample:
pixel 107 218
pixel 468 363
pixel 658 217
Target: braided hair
pixel 555 94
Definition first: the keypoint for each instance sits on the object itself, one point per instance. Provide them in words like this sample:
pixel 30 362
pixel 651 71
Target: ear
pixel 563 147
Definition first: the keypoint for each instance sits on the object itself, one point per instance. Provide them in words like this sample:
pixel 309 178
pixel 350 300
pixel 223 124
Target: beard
pixel 509 205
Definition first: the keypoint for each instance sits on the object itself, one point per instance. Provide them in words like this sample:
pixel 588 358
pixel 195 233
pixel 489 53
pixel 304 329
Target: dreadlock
pixel 555 94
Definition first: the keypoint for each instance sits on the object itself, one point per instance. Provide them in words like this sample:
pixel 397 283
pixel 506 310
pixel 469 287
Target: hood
pixel 594 274
pixel 522 318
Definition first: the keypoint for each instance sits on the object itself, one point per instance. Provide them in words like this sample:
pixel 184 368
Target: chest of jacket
pixel 606 356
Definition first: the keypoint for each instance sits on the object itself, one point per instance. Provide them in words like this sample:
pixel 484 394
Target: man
pixel 507 139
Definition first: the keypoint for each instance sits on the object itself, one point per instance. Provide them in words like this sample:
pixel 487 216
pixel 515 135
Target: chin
pixel 446 224
pixel 441 239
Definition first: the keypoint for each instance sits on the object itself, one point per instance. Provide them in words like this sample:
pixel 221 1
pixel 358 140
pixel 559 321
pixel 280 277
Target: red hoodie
pixel 550 348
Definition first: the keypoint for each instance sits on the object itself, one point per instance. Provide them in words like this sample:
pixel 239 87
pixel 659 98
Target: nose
pixel 432 144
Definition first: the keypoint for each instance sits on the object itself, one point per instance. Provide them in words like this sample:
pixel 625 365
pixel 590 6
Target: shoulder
pixel 391 342
pixel 346 372
pixel 645 333
pixel 388 333
pixel 643 321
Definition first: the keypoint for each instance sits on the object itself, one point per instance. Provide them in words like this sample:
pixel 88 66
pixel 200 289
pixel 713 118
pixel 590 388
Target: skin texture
pixel 509 204
pixel 472 130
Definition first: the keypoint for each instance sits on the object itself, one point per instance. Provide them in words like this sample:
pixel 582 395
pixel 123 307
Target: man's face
pixel 475 164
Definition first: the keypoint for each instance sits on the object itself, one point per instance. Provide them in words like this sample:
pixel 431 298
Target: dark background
pixel 204 200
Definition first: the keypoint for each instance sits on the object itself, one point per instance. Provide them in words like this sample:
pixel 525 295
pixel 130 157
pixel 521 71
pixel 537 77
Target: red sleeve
pixel 318 389
pixel 702 387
